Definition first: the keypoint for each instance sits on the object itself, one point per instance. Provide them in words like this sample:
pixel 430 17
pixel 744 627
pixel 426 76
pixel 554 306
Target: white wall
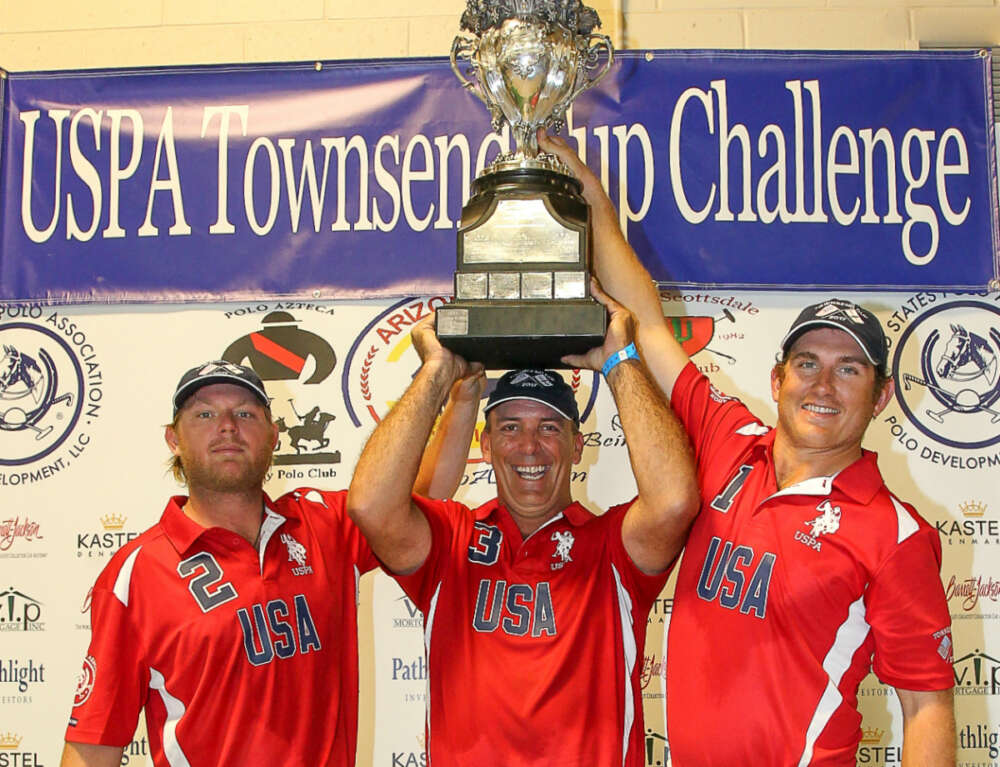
pixel 57 34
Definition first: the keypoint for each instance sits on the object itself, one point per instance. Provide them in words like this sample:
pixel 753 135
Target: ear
pixel 274 436
pixel 884 396
pixel 577 447
pixel 485 448
pixel 170 436
pixel 776 377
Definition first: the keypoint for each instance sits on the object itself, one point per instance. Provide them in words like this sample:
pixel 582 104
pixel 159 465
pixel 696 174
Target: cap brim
pixel 184 393
pixel 793 334
pixel 492 405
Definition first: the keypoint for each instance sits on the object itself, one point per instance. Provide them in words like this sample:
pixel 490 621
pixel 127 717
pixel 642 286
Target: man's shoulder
pixel 310 498
pixel 134 554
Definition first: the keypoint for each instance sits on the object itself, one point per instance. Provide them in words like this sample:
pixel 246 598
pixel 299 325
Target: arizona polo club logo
pixel 292 361
pixel 50 392
pixel 946 365
pixel 382 361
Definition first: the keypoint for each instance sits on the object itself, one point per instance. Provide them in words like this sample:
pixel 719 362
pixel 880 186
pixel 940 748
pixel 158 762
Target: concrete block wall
pixel 57 34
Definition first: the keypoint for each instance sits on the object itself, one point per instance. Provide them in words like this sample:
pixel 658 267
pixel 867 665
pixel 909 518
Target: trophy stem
pixel 526 140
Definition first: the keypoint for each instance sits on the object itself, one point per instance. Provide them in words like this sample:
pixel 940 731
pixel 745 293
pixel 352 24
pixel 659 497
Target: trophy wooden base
pixel 521 334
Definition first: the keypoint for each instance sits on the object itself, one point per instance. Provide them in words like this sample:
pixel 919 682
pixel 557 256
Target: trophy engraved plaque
pixel 522 283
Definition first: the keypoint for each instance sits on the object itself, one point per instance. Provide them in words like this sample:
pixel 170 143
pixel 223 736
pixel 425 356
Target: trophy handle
pixel 589 63
pixel 462 47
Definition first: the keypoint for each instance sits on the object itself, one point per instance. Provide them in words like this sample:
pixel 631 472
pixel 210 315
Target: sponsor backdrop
pixel 84 394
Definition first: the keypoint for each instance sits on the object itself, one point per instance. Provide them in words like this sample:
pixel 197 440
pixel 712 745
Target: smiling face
pixel 224 437
pixel 532 450
pixel 826 394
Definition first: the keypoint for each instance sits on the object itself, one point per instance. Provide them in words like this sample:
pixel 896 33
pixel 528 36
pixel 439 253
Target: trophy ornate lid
pixel 481 15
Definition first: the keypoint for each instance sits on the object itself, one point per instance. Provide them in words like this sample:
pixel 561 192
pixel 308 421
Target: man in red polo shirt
pixel 233 621
pixel 534 607
pixel 803 571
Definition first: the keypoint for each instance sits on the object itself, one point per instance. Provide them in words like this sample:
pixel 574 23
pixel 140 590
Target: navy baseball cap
pixel 218 371
pixel 545 386
pixel 859 323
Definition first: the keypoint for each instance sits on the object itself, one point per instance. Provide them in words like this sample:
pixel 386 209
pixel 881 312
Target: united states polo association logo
pixel 50 393
pixel 947 370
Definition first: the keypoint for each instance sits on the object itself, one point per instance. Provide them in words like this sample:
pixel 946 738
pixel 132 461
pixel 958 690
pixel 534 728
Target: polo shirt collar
pixel 575 513
pixel 183 532
pixel 859 481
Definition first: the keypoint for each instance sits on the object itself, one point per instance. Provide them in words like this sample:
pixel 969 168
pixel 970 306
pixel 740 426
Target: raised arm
pixel 379 499
pixel 88 755
pixel 928 728
pixel 622 275
pixel 656 525
pixel 446 455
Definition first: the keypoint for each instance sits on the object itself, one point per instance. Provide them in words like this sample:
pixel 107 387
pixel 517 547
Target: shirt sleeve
pixel 444 518
pixel 710 417
pixel 908 613
pixel 646 587
pixel 113 682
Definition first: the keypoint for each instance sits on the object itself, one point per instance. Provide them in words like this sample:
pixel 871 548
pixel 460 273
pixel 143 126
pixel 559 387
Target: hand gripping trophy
pixel 522 285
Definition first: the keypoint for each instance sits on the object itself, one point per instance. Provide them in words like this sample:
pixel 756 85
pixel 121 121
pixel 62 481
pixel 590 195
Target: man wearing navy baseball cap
pixel 534 607
pixel 802 572
pixel 230 594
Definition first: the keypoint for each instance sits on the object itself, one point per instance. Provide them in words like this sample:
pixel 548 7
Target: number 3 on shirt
pixel 485 546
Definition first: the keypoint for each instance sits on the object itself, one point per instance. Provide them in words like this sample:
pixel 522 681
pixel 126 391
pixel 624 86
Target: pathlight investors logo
pixel 50 393
pixel 946 363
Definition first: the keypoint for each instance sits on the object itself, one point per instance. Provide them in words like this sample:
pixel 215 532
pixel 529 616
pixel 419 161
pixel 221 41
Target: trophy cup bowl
pixel 522 283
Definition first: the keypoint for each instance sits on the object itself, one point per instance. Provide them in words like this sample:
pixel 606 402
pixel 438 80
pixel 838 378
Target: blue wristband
pixel 628 353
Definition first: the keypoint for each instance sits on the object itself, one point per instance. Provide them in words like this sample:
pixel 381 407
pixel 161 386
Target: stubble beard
pixel 227 478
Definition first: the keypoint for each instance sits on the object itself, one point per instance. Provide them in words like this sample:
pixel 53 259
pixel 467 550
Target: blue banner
pixel 346 179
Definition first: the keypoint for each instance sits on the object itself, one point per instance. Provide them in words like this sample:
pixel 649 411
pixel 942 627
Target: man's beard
pixel 227 478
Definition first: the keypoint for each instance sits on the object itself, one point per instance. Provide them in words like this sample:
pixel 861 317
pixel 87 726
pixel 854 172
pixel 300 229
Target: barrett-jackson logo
pixel 968 591
pixel 17 534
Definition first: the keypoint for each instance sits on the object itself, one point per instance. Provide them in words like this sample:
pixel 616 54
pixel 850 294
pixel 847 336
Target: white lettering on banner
pixel 783 179
pixel 951 158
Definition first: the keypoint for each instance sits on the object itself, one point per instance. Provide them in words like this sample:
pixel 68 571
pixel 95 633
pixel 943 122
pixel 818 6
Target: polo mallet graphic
pixel 968 399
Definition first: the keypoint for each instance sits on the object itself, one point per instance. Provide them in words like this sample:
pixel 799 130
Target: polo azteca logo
pixel 947 369
pixel 50 390
pixel 382 361
pixel 292 361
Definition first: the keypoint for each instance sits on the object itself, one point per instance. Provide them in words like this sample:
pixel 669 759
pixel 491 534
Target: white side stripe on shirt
pixel 175 710
pixel 124 580
pixel 850 635
pixel 628 645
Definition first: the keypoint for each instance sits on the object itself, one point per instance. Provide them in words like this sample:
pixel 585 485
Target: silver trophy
pixel 522 284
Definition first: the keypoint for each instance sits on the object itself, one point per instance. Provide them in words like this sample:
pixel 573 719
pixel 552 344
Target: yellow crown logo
pixel 9 741
pixel 972 508
pixel 113 522
pixel 871 735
